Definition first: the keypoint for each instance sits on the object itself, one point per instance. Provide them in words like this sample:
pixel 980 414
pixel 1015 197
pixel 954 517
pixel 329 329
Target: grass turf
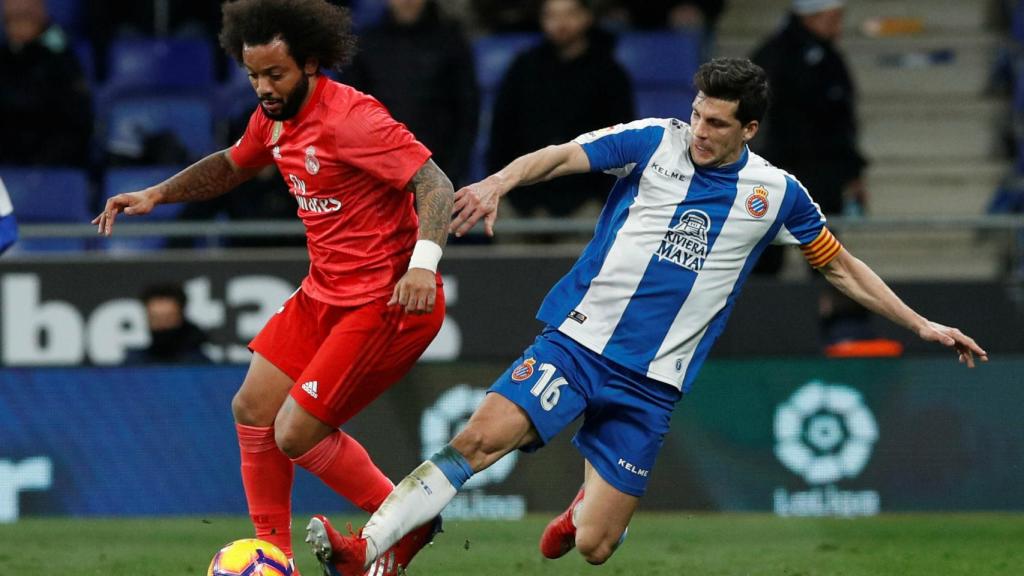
pixel 658 544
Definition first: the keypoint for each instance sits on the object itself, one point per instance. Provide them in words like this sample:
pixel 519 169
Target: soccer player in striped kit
pixel 376 211
pixel 631 323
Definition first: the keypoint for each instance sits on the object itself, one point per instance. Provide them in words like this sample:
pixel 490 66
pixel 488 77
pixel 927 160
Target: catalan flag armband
pixel 822 250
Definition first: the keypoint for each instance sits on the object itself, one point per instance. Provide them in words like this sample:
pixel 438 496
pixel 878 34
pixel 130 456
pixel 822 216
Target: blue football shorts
pixel 625 414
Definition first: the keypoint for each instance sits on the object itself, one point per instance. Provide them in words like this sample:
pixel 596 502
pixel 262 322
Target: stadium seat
pixel 659 59
pixel 151 64
pixel 493 55
pixel 366 13
pixel 68 14
pixel 235 96
pixel 48 195
pixel 120 180
pixel 86 59
pixel 130 119
pixel 664 103
pixel 1017 22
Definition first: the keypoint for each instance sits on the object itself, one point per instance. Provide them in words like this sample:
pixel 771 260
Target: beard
pixel 291 103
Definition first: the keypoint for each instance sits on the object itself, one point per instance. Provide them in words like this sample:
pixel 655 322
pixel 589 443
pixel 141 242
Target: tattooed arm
pixel 417 290
pixel 434 193
pixel 206 179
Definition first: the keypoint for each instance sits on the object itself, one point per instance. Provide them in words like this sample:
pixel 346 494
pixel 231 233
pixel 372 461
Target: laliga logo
pixel 824 433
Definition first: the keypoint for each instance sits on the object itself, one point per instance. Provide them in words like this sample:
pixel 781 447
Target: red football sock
pixel 267 477
pixel 343 464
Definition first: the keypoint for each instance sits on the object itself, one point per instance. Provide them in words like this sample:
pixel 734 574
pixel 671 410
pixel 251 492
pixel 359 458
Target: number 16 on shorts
pixel 547 388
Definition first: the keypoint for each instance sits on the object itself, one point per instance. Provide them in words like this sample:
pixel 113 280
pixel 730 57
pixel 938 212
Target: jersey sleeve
pixel 250 151
pixel 618 148
pixel 371 140
pixel 8 227
pixel 805 226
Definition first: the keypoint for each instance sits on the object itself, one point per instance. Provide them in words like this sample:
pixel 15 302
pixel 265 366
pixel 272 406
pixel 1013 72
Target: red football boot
pixel 338 555
pixel 560 535
pixel 396 559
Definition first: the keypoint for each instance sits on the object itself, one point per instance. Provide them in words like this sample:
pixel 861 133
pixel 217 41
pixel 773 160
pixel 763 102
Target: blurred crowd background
pixel 884 108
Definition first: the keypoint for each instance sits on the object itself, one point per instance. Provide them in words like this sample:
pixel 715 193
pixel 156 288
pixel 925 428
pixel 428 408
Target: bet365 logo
pixel 824 432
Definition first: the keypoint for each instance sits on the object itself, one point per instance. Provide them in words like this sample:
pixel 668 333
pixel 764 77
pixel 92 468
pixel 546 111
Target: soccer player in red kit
pixel 376 210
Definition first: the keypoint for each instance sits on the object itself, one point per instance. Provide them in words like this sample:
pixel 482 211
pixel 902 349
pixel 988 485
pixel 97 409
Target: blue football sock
pixel 454 466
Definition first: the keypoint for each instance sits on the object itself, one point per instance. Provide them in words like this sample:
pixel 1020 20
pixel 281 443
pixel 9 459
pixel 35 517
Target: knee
pixel 250 411
pixel 596 546
pixel 289 439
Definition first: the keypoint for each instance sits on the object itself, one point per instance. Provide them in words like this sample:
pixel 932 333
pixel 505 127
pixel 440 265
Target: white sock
pixel 415 501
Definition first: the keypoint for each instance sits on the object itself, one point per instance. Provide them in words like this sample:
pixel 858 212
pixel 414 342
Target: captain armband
pixel 822 250
pixel 425 255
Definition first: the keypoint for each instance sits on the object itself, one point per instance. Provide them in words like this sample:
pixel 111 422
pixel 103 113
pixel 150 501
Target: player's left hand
pixel 416 291
pixel 474 202
pixel 965 346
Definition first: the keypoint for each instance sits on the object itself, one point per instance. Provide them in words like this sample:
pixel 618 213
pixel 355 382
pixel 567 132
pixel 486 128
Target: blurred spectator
pixel 501 16
pixel 1009 199
pixel 665 14
pixel 111 18
pixel 173 339
pixel 568 85
pixel 811 125
pixel 420 66
pixel 811 130
pixel 45 101
pixel 8 227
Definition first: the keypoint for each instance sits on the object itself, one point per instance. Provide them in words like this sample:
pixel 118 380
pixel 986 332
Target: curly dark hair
pixel 310 29
pixel 735 80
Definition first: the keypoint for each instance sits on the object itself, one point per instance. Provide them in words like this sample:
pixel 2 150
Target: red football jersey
pixel 347 162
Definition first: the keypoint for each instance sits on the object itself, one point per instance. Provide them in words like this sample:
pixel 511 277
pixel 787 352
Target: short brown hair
pixel 736 80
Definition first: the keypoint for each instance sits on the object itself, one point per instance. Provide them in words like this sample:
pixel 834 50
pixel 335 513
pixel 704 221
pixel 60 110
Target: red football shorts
pixel 341 359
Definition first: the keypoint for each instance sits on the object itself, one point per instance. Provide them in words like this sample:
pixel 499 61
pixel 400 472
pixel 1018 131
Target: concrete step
pixel 935 129
pixel 923 255
pixel 933 188
pixel 964 65
pixel 964 71
pixel 746 17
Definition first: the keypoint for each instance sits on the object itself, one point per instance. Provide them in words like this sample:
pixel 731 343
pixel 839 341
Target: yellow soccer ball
pixel 249 557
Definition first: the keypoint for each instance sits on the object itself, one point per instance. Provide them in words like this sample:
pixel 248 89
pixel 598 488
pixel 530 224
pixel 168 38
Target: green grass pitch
pixel 658 544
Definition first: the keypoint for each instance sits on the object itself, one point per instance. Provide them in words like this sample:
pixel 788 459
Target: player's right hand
pixel 131 203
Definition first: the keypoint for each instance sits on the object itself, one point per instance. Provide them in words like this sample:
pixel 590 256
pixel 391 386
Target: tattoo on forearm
pixel 434 199
pixel 208 178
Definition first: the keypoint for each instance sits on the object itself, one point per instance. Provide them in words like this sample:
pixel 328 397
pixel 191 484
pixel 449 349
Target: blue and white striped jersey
pixel 8 227
pixel 672 247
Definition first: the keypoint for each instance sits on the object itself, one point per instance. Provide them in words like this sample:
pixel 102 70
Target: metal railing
pixel 1003 259
pixel 520 226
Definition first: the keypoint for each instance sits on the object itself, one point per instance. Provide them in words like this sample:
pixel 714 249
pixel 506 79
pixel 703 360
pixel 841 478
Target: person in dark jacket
pixel 173 339
pixel 567 85
pixel 45 102
pixel 811 126
pixel 420 67
pixel 811 130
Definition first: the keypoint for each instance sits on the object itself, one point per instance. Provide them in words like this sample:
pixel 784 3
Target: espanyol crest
pixel 312 164
pixel 524 370
pixel 757 202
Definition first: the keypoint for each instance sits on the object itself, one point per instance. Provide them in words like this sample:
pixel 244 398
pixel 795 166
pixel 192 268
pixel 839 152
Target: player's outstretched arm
pixel 207 178
pixel 480 200
pixel 417 289
pixel 858 281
